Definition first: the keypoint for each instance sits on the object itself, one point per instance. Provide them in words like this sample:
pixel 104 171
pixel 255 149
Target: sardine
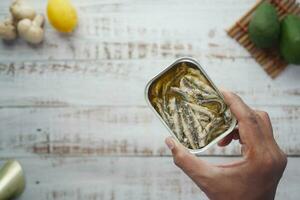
pixel 186 143
pixel 163 113
pixel 218 101
pixel 220 130
pixel 177 126
pixel 187 94
pixel 194 123
pixel 195 127
pixel 186 130
pixel 200 132
pixel 193 95
pixel 198 74
pixel 157 88
pixel 201 109
pixel 213 125
pixel 166 86
pixel 201 117
pixel 203 86
pixel 204 123
pixel 202 94
pixel 210 134
pixel 227 116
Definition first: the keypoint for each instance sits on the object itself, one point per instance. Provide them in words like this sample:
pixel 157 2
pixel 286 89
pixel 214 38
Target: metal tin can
pixel 173 68
pixel 12 181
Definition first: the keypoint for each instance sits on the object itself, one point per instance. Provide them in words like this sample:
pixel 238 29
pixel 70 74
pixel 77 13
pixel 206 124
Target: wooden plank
pixel 128 131
pixel 125 178
pixel 93 83
pixel 137 30
pixel 83 96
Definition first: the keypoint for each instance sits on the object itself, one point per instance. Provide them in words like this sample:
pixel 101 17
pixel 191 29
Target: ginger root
pixel 32 30
pixel 7 29
pixel 23 22
pixel 21 10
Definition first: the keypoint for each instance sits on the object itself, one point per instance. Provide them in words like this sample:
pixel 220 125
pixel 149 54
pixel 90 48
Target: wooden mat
pixel 270 59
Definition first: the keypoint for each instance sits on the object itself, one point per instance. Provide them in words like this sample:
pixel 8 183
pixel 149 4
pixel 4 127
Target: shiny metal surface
pixel 12 181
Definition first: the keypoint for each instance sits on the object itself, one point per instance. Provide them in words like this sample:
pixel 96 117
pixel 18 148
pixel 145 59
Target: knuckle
pixel 269 162
pixel 179 159
pixel 283 160
pixel 228 92
pixel 264 114
pixel 232 96
pixel 252 117
pixel 235 96
pixel 276 162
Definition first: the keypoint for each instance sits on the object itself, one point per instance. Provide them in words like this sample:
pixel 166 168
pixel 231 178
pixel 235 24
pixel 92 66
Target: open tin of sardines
pixel 190 105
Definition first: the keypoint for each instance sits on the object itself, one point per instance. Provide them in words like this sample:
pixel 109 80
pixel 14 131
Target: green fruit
pixel 264 27
pixel 290 39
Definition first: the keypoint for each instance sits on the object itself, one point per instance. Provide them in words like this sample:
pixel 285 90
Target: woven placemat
pixel 270 59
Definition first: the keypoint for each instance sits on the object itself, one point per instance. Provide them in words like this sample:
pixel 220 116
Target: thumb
pixel 189 163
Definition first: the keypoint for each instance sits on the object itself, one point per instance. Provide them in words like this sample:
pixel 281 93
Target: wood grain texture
pixel 125 178
pixel 72 109
pixel 109 130
pixel 94 83
pixel 119 46
pixel 136 30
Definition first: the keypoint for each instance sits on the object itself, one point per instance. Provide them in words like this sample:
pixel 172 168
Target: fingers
pixel 225 141
pixel 246 117
pixel 265 119
pixel 190 164
pixel 237 106
pixel 234 135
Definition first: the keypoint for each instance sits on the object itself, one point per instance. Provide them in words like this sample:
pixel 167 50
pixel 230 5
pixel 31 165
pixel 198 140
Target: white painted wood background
pixel 72 109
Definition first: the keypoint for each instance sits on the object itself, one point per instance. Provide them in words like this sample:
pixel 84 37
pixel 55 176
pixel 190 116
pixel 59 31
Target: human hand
pixel 256 176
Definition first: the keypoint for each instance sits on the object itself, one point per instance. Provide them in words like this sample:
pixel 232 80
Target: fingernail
pixel 170 143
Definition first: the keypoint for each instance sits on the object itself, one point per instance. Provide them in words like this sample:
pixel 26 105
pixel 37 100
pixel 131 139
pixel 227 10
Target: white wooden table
pixel 72 109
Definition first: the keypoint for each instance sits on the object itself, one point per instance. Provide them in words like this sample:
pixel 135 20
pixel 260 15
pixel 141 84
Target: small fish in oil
pixel 196 81
pixel 190 105
pixel 186 129
pixel 163 113
pixel 174 112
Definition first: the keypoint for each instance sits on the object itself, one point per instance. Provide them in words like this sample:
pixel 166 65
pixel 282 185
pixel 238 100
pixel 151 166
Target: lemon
pixel 62 15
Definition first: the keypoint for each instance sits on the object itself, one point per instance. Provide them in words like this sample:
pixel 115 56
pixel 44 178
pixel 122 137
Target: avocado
pixel 290 39
pixel 264 27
